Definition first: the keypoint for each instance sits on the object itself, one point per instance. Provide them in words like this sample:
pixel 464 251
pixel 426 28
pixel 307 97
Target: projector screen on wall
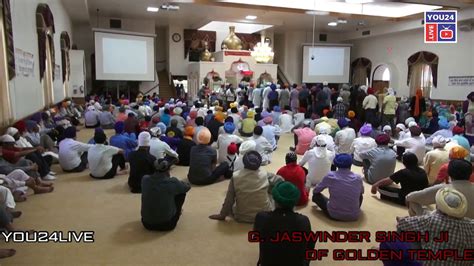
pixel 326 63
pixel 124 57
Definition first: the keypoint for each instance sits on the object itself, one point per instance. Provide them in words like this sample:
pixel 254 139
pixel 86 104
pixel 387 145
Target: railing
pixel 282 75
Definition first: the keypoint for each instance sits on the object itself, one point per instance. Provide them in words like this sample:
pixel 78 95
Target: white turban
pixel 7 139
pixel 390 91
pixel 401 127
pixel 246 146
pixel 412 124
pixel 439 141
pixel 12 131
pixel 408 120
pixel 144 139
pixel 387 128
pixel 451 202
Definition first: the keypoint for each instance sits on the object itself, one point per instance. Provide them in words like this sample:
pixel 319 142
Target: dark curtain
pixel 7 17
pixel 424 57
pixel 65 47
pixel 44 21
pixel 364 63
pixel 194 43
pixel 248 40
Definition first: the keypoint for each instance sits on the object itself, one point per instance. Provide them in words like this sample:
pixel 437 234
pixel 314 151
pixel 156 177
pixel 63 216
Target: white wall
pixel 177 64
pixel 84 40
pixel 161 54
pixel 394 49
pixel 26 93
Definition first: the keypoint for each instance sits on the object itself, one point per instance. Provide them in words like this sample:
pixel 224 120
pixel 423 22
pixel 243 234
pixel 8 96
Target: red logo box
pixel 431 32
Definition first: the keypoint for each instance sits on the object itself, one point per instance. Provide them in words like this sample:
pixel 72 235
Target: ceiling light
pixel 152 9
pixel 251 17
pixel 317 12
pixel 332 24
pixel 359 1
pixel 239 27
pixel 341 21
pixel 170 7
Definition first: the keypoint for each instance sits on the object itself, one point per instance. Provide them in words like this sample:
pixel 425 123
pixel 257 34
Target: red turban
pixel 457 130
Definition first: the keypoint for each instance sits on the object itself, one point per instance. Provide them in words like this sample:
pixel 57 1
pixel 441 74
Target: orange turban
pixel 458 152
pixel 351 114
pixel 189 131
pixel 219 116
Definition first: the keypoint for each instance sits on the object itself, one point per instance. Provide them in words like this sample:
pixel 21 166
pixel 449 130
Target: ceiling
pixel 200 12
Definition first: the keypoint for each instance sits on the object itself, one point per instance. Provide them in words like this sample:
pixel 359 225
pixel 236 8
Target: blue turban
pixel 70 132
pixel 343 160
pixel 365 130
pixel 98 130
pixel 342 122
pixel 443 123
pixel 276 108
pixel 162 127
pixel 229 127
pixel 119 127
pixel 30 124
pixel 273 87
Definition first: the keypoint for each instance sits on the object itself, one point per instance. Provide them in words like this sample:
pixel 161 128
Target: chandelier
pixel 262 52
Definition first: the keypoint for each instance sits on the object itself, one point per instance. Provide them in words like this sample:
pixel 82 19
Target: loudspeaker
pixel 323 37
pixel 115 23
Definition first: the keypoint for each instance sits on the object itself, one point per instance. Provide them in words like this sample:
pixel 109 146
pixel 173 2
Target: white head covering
pixel 401 127
pixel 90 108
pixel 339 99
pixel 320 148
pixel 387 128
pixel 408 120
pixel 363 88
pixel 144 139
pixel 7 139
pixel 451 202
pixel 324 130
pixel 412 124
pixel 246 146
pixel 325 83
pixel 439 141
pixel 390 91
pixel 12 131
pixel 177 111
pixel 155 131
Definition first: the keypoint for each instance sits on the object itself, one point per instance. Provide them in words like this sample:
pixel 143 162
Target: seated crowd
pixel 218 140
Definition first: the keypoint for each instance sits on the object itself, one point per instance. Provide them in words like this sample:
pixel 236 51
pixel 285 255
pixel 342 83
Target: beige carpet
pixel 113 213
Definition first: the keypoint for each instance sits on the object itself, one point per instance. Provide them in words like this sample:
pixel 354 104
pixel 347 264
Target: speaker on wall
pixel 323 37
pixel 115 23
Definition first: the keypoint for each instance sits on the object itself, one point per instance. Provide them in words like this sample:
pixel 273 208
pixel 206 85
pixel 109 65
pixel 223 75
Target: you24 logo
pixel 441 26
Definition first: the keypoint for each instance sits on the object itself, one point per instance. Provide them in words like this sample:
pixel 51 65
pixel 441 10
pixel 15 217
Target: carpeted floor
pixel 113 213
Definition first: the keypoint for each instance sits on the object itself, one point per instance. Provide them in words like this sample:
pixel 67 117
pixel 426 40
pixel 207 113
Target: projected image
pixel 122 56
pixel 326 61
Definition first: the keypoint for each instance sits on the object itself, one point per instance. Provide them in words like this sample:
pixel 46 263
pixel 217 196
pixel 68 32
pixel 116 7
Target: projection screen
pixel 326 63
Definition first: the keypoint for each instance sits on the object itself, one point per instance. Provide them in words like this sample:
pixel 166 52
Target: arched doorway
pixel 381 78
pixel 45 31
pixel 65 61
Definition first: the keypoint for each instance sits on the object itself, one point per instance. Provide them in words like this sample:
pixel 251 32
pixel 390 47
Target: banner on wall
pixel 24 62
pixel 461 81
pixel 57 72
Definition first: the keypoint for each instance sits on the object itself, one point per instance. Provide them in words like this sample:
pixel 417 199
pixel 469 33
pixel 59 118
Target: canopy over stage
pixel 229 67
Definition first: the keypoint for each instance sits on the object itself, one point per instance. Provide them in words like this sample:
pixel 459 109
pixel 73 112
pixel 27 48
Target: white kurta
pixel 319 161
pixel 344 139
pixel 362 144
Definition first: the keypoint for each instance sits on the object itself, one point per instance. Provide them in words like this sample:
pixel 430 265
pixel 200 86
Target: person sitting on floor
pixel 414 144
pixel 104 160
pixel 163 197
pixel 184 147
pixel 106 118
pixel 462 141
pixel 199 125
pixel 91 117
pixel 263 146
pixel 296 175
pixel 344 137
pixel 19 182
pixel 435 158
pixel 131 124
pixel 319 161
pixel 246 146
pixel 123 140
pixel 362 144
pixel 248 125
pixel 412 178
pixel 72 153
pixel 181 122
pixel 456 152
pixel 451 208
pixel 303 138
pixel 225 139
pixel 444 130
pixel 249 191
pixel 202 166
pixel 173 130
pixel 159 148
pixel 283 219
pixel 141 163
pixel 271 132
pixel 345 190
pixel 460 171
pixel 285 121
pixel 379 162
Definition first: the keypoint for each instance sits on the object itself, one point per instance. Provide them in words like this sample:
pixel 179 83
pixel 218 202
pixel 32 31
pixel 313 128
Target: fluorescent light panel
pixel 239 27
pixel 383 9
pixel 251 17
pixel 332 24
pixel 152 9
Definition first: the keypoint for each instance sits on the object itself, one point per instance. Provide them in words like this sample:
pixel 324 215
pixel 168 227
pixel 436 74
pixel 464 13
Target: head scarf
pixel 343 160
pixel 286 194
pixel 342 122
pixel 219 116
pixel 177 111
pixel 204 136
pixel 451 202
pixel 412 124
pixel 382 139
pixel 365 130
pixel 250 114
pixel 291 158
pixel 232 148
pixel 252 160
pixel 119 127
pixel 189 131
pixel 458 152
pixel 229 127
pixel 144 139
pixel 155 131
pixel 439 142
pixel 418 96
pixel 339 99
pixel 7 139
